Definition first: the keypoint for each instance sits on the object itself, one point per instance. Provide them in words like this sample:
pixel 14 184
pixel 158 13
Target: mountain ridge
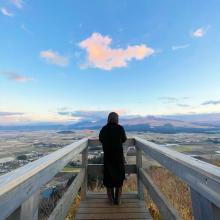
pixel 162 124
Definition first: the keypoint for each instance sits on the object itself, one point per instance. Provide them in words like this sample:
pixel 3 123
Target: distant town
pixel 20 148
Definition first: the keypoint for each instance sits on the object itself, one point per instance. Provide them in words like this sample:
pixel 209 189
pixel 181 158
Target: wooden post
pixel 63 205
pixel 84 165
pixel 203 209
pixel 140 187
pixel 29 209
pixel 14 215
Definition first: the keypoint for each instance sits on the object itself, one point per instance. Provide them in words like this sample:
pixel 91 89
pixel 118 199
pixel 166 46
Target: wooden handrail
pixel 17 186
pixel 202 178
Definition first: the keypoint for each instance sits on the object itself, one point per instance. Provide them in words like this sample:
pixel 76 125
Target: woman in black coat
pixel 112 135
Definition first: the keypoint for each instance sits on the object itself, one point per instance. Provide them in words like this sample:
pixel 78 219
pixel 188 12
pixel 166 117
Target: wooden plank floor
pixel 97 206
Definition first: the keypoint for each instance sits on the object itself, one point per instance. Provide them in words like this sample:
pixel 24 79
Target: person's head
pixel 113 118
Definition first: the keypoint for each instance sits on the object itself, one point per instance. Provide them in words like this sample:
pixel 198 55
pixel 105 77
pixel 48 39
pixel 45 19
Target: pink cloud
pixel 121 111
pixel 101 55
pixel 16 77
pixel 54 58
pixel 5 12
pixel 200 32
pixel 19 78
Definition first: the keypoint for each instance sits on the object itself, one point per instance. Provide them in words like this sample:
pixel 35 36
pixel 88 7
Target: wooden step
pixel 97 206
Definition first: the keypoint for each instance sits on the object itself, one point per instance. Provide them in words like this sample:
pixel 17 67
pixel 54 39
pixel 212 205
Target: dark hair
pixel 113 118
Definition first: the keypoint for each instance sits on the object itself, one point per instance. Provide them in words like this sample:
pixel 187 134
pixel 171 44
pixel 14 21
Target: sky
pixel 61 61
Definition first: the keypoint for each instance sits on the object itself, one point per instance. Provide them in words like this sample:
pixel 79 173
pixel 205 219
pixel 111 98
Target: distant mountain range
pixel 208 123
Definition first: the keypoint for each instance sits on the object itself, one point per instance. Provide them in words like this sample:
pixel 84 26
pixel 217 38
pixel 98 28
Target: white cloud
pixel 178 47
pixel 5 12
pixel 200 32
pixel 92 115
pixel 101 55
pixel 17 3
pixel 54 58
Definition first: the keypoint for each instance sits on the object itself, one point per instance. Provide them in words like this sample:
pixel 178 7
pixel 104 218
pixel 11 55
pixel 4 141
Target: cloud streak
pixel 11 114
pixel 179 101
pixel 211 102
pixel 85 114
pixel 168 99
pixel 17 3
pixel 5 12
pixel 101 55
pixel 179 47
pixel 53 57
pixel 25 29
pixel 92 115
pixel 172 99
pixel 183 105
pixel 15 76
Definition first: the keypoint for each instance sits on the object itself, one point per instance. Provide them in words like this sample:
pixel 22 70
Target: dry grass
pixel 175 191
pixel 154 210
pixel 130 183
pixel 72 212
pixel 215 162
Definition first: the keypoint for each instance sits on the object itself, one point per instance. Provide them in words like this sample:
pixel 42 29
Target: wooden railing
pixel 20 189
pixel 202 178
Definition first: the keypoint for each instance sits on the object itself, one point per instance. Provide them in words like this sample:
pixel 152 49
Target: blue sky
pixel 134 57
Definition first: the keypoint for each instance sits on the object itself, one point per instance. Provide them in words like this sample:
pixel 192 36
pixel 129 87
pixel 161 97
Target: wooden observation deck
pixel 20 189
